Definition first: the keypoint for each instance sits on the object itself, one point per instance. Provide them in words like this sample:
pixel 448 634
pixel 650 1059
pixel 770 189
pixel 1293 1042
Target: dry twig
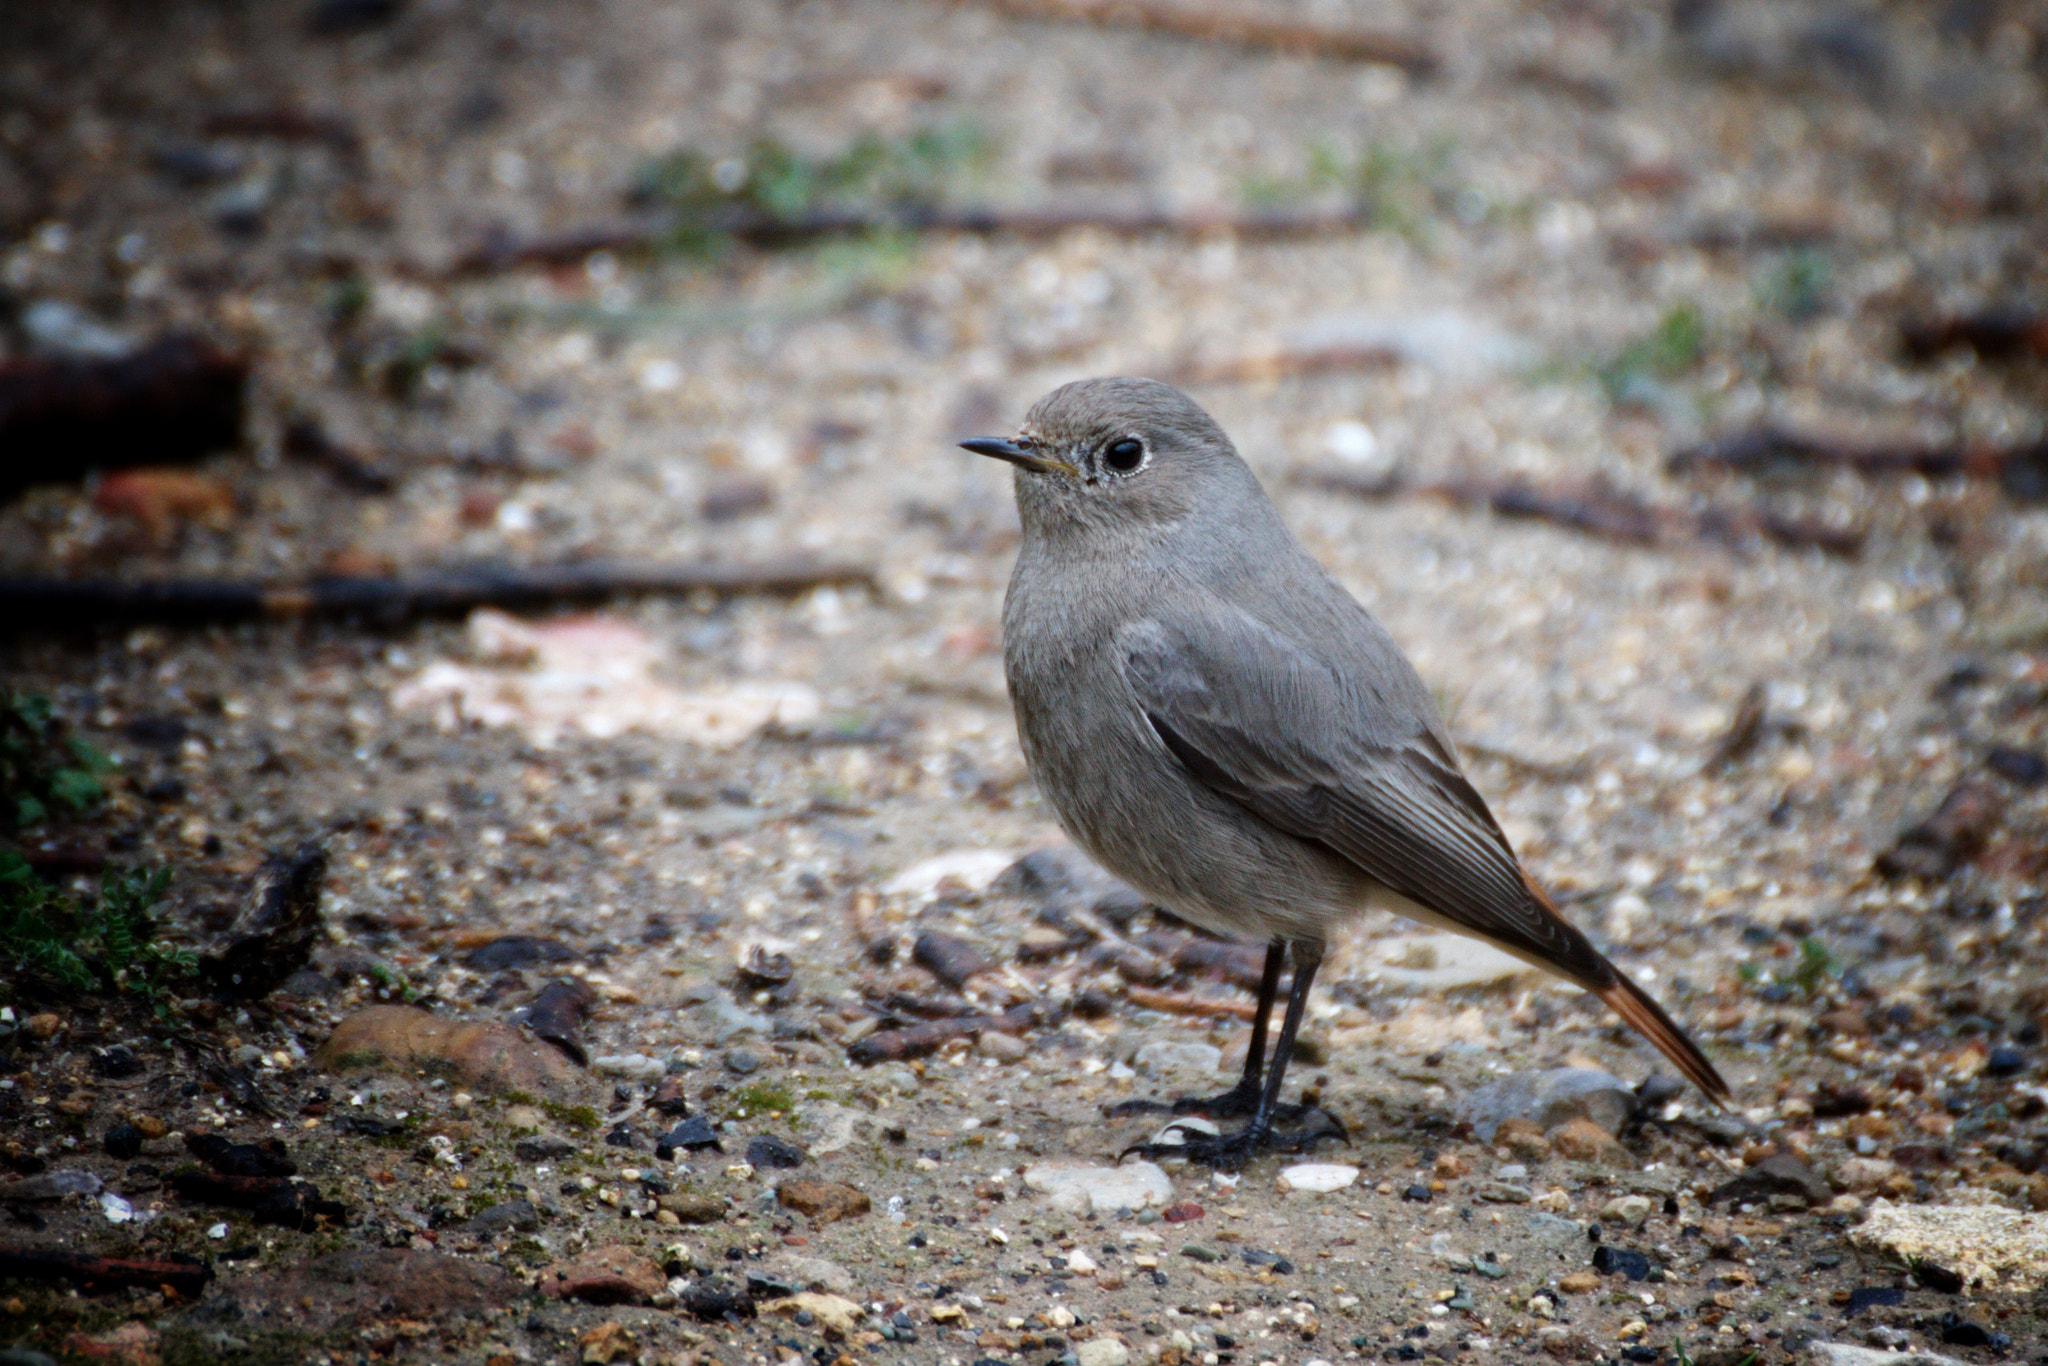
pixel 1178 1003
pixel 1604 512
pixel 1231 25
pixel 67 603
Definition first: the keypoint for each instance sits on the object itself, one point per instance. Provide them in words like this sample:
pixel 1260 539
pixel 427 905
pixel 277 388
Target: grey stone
pixel 812 1273
pixel 510 1214
pixel 1177 1055
pixel 1555 1230
pixel 1548 1098
pixel 58 1185
pixel 542 1148
pixel 724 1022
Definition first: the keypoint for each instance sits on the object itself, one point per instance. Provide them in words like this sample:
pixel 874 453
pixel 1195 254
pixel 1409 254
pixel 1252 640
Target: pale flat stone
pixel 1318 1177
pixel 839 1317
pixel 1445 962
pixel 971 869
pixel 1177 1055
pixel 2002 1248
pixel 1101 1352
pixel 1845 1354
pixel 1548 1097
pixel 1078 1186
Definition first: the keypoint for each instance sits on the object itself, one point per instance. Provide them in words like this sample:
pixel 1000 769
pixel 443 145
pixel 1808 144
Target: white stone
pixel 1319 1177
pixel 2003 1248
pixel 1101 1352
pixel 1076 1187
pixel 638 1066
pixel 972 869
pixel 1845 1354
pixel 1626 1209
pixel 1080 1263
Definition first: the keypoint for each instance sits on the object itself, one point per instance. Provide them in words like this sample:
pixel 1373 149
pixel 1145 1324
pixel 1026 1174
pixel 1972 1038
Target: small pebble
pixel 1318 1177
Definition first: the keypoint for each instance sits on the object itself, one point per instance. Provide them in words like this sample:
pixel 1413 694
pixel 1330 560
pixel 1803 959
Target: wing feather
pixel 1270 733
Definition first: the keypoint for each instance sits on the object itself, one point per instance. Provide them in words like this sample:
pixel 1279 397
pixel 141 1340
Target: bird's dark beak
pixel 1020 456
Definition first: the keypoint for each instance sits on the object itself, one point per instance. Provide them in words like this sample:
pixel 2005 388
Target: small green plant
pixel 1674 346
pixel 108 946
pixel 1796 285
pixel 43 771
pixel 1816 965
pixel 874 176
pixel 1397 191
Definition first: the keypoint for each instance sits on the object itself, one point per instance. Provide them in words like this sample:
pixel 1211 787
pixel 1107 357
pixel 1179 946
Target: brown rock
pixel 77 1106
pixel 612 1274
pixel 693 1207
pixel 1582 1140
pixel 1523 1138
pixel 349 1289
pixel 1778 1174
pixel 1845 1020
pixel 823 1202
pixel 1450 1166
pixel 608 1342
pixel 1579 1282
pixel 1865 1174
pixel 161 499
pixel 132 1344
pixel 149 1126
pixel 485 1055
pixel 45 1026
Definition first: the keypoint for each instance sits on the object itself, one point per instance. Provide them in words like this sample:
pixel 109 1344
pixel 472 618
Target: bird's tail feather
pixel 1648 1019
pixel 1637 1008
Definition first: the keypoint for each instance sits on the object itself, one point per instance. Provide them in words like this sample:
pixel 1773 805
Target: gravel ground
pixel 703 863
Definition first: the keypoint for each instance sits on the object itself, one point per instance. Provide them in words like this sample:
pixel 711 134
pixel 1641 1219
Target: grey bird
pixel 1216 721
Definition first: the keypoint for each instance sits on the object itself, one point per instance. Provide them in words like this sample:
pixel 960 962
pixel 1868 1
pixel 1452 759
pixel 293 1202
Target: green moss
pixel 582 1118
pixel 760 1098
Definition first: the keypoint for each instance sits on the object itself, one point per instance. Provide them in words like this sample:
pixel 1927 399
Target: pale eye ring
pixel 1125 455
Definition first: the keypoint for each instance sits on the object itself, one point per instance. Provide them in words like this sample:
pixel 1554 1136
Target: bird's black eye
pixel 1125 455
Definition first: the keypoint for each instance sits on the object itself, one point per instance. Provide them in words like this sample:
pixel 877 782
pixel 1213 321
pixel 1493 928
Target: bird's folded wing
pixel 1305 743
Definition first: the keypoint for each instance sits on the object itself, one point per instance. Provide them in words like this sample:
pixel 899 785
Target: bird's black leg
pixel 1228 1152
pixel 1243 1098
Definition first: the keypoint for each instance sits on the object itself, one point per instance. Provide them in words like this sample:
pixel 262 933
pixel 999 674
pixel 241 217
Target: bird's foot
pixel 1238 1100
pixel 1197 1141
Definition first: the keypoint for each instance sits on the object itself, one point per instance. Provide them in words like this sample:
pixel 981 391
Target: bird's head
pixel 1116 452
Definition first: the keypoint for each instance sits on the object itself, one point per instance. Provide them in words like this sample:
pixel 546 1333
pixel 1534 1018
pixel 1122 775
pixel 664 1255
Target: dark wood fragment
pixel 1993 333
pixel 186 1275
pixel 2021 470
pixel 756 227
pixel 274 938
pixel 1273 30
pixel 175 401
pixel 74 603
pixel 556 1014
pixel 1597 509
pixel 272 1199
pixel 1949 838
pixel 949 958
pixel 1744 732
pixel 919 1040
pixel 309 441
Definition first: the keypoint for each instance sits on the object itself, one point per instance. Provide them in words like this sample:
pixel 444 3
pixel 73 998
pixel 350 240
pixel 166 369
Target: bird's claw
pixel 1238 1100
pixel 1229 1152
